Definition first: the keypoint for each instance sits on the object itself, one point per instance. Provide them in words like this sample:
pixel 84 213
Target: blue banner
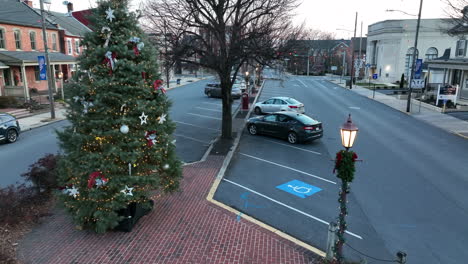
pixel 42 68
pixel 418 69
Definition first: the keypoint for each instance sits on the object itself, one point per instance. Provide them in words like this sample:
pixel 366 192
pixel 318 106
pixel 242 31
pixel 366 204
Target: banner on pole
pixel 42 68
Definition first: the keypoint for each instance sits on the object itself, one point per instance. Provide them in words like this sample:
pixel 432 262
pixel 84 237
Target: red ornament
pixel 150 138
pixel 95 176
pixel 157 85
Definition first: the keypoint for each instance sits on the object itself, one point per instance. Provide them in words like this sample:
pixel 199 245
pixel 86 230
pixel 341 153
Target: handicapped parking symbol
pixel 299 188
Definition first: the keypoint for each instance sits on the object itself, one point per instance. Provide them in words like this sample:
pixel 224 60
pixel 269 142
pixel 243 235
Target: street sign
pixel 298 188
pixel 417 83
pixel 418 69
pixel 375 76
pixel 334 68
pixel 368 65
pixel 42 68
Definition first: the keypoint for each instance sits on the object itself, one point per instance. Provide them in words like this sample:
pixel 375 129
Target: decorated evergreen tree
pixel 119 148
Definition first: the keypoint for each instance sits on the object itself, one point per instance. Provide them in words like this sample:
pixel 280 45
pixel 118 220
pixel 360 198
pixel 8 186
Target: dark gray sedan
pixel 9 128
pixel 292 126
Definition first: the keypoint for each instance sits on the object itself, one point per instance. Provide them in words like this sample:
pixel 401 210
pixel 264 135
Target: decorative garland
pixel 344 165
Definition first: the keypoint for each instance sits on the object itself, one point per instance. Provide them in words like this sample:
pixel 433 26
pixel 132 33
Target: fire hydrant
pixel 245 101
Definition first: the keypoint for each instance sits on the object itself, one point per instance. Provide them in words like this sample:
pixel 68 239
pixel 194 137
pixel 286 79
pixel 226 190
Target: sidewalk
pixel 421 111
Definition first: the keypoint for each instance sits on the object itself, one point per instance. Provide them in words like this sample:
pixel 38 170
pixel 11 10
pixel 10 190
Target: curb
pixel 220 175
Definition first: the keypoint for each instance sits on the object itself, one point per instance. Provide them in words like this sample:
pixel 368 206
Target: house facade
pixel 390 46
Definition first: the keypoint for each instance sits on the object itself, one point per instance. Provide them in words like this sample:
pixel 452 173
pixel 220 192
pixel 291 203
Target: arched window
pixel 409 61
pixel 431 53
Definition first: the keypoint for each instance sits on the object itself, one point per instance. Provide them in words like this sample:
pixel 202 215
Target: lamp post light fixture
pixel 344 166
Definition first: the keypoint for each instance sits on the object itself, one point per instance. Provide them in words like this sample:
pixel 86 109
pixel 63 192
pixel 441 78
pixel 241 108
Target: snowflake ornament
pixel 162 118
pixel 110 14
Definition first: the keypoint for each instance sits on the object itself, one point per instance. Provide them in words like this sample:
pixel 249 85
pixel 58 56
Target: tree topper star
pixel 162 118
pixel 110 14
pixel 127 191
pixel 143 118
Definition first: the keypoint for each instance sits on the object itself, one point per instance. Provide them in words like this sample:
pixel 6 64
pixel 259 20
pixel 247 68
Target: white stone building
pixel 390 46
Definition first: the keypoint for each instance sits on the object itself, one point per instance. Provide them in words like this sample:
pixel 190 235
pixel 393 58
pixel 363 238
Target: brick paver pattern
pixel 182 228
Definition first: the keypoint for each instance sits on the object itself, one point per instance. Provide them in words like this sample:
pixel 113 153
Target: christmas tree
pixel 119 148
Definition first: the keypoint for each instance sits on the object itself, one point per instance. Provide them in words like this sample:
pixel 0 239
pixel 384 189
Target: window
pixel 69 47
pixel 2 38
pixel 54 41
pixel 270 118
pixel 36 73
pixel 32 37
pixel 461 48
pixel 77 46
pixel 409 61
pixel 270 101
pixel 431 53
pixel 7 76
pixel 17 34
pixel 283 118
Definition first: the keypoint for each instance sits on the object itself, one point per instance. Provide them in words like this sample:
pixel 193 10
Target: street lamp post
pixel 60 76
pixel 408 104
pixel 247 81
pixel 344 166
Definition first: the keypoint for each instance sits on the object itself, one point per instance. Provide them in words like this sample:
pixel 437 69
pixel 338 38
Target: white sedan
pixel 276 104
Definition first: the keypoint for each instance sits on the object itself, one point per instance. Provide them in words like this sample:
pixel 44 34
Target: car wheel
pixel 258 111
pixel 12 136
pixel 208 94
pixel 253 130
pixel 292 137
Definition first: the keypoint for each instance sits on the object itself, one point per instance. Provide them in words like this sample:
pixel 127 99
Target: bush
pixel 8 101
pixel 43 173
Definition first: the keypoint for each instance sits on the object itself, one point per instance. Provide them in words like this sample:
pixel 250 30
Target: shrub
pixel 43 173
pixel 8 101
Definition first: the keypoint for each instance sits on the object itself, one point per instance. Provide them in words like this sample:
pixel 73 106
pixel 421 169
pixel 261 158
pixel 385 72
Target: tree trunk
pixel 226 128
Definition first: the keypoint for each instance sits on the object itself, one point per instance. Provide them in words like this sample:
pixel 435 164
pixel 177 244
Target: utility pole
pixel 408 103
pixel 352 55
pixel 48 66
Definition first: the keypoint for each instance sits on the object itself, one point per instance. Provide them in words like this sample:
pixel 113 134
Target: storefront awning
pixel 16 58
pixel 3 66
pixel 459 64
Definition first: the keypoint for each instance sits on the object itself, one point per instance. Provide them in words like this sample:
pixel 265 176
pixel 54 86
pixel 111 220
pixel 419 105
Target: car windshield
pixel 292 101
pixel 305 119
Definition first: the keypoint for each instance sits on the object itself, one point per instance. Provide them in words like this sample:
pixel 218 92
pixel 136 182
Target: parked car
pixel 276 104
pixel 9 128
pixel 292 126
pixel 214 90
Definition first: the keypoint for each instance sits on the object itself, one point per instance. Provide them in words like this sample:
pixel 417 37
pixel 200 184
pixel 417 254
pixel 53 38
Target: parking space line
pixel 188 124
pixel 191 138
pixel 212 103
pixel 287 206
pixel 302 82
pixel 211 117
pixel 286 145
pixel 208 109
pixel 289 168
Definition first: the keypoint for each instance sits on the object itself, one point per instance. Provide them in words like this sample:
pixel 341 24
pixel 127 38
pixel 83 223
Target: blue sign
pixel 368 65
pixel 375 76
pixel 418 69
pixel 42 68
pixel 299 188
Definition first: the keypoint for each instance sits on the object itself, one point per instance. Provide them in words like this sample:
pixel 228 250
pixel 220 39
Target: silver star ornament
pixel 110 14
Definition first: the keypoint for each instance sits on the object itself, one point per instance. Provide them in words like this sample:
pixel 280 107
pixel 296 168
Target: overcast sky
pixel 328 15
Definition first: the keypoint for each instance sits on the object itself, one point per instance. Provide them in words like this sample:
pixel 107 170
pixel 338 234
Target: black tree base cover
pixel 132 214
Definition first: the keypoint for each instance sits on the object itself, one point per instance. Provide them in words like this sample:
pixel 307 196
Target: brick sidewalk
pixel 182 228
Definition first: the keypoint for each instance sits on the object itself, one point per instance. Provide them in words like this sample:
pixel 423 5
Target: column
pixel 25 83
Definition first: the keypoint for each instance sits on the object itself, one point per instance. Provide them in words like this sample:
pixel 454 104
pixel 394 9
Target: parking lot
pixel 294 189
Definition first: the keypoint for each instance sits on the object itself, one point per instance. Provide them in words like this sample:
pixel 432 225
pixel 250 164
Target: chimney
pixel 70 7
pixel 29 3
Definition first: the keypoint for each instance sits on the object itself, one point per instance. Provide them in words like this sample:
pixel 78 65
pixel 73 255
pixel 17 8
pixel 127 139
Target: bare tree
pixel 457 12
pixel 222 35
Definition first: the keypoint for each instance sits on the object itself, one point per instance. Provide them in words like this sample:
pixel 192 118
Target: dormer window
pixel 461 48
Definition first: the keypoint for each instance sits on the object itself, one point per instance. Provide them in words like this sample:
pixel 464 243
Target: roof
pixel 17 13
pixel 15 57
pixel 3 66
pixel 65 21
pixel 83 16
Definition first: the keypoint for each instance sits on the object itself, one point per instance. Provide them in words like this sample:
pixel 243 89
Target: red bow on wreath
pixel 150 138
pixel 96 177
pixel 157 85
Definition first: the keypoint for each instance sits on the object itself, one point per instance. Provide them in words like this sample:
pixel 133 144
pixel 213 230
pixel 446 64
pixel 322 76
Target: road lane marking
pixel 191 138
pixel 302 83
pixel 211 117
pixel 286 145
pixel 188 124
pixel 354 107
pixel 287 206
pixel 208 109
pixel 279 165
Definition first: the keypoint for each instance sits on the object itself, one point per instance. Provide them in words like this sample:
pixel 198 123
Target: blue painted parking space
pixel 299 188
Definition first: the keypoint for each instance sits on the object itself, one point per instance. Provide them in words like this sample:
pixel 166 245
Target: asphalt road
pixel 408 194
pixel 198 120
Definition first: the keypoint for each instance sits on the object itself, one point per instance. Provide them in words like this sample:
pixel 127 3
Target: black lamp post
pixel 344 164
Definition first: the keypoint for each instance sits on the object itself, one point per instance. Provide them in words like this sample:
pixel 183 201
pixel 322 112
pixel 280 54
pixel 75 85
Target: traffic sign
pixel 334 68
pixel 368 65
pixel 417 83
pixel 375 76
